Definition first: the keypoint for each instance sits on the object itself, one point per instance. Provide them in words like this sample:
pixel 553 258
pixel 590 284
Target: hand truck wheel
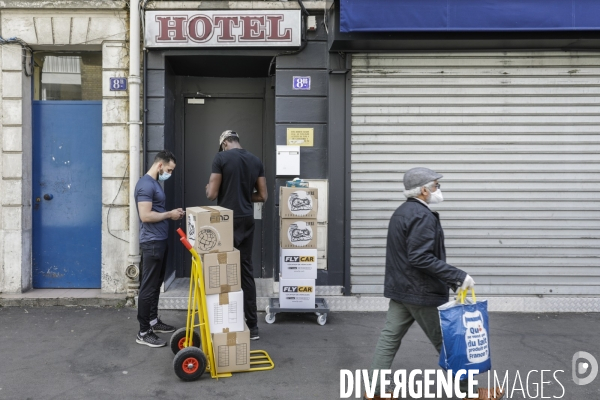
pixel 189 364
pixel 178 339
pixel 322 320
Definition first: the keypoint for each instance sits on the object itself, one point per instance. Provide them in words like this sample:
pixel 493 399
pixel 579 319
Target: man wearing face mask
pixel 150 200
pixel 417 277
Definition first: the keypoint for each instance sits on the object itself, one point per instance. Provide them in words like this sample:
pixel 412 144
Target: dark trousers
pixel 154 263
pixel 243 239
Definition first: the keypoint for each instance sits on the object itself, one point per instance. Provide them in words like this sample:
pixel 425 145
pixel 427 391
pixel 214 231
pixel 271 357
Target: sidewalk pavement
pixel 90 353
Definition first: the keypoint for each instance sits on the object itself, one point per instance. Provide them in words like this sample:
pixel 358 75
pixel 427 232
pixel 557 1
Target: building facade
pixel 64 136
pixel 507 111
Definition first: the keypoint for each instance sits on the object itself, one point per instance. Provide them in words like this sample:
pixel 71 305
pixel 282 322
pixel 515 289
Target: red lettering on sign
pixel 253 28
pixel 170 25
pixel 207 28
pixel 227 24
pixel 274 34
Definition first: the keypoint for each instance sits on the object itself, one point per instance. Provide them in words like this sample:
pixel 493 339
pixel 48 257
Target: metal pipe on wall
pixel 134 128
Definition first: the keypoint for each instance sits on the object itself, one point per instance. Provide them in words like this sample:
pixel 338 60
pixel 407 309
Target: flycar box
pixel 210 229
pixel 222 272
pixel 225 312
pixel 298 202
pixel 298 234
pixel 296 293
pixel 299 264
pixel 232 350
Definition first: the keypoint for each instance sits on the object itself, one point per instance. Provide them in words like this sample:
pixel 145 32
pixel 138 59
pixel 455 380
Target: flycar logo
pixel 298 289
pixel 302 259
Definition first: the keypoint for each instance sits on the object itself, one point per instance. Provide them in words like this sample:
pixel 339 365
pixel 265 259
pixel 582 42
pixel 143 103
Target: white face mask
pixel 435 197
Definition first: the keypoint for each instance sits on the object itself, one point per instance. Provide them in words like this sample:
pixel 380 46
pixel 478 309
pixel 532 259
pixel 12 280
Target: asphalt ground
pixel 91 353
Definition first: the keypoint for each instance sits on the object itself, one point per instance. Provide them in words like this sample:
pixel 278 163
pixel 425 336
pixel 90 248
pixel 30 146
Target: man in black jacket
pixel 417 276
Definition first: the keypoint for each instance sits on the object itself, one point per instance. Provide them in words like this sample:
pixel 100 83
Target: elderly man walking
pixel 417 276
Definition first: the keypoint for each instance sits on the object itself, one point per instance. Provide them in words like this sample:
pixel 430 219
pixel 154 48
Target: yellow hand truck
pixel 190 361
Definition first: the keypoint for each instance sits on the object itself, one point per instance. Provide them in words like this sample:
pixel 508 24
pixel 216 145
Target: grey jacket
pixel 416 271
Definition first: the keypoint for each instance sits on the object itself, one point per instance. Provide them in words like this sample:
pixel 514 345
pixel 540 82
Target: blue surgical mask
pixel 164 176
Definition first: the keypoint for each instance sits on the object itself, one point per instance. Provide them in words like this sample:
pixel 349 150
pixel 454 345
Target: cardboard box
pixel 299 264
pixel 232 351
pixel 296 293
pixel 226 312
pixel 298 202
pixel 298 233
pixel 222 272
pixel 210 229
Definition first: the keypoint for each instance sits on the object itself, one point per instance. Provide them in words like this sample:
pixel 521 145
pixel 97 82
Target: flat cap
pixel 416 177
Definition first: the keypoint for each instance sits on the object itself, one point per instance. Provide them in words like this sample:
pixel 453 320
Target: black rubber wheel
pixel 189 364
pixel 178 337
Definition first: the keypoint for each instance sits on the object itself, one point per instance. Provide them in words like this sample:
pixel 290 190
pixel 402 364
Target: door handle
pixel 48 197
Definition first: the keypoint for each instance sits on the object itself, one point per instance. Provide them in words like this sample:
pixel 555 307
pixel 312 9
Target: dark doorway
pixel 205 119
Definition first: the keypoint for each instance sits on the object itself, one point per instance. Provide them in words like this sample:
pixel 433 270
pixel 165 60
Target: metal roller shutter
pixel 516 136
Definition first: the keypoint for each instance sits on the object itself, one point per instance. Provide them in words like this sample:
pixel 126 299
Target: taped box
pixel 299 264
pixel 222 272
pixel 232 351
pixel 296 293
pixel 298 233
pixel 298 202
pixel 226 312
pixel 210 229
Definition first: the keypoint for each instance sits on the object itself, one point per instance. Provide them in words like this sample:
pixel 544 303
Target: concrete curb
pixel 64 301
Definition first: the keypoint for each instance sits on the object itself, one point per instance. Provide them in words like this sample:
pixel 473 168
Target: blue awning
pixel 468 15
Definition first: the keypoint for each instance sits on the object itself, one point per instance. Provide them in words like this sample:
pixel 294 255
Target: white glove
pixel 468 283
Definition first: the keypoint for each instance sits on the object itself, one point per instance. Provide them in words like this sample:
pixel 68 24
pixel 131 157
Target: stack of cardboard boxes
pixel 210 232
pixel 298 239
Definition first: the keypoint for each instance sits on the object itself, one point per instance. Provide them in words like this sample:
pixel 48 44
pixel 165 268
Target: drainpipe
pixel 134 146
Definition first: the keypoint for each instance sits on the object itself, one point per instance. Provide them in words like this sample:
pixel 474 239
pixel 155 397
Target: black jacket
pixel 416 271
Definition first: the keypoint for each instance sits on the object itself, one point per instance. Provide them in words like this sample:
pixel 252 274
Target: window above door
pixel 67 76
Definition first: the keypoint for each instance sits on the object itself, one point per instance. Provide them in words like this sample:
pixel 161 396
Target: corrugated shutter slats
pixel 517 137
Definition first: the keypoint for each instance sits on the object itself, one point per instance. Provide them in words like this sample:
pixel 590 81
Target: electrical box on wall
pixel 288 161
pixel 311 23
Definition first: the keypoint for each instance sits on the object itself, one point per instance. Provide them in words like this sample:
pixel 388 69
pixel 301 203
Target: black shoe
pixel 254 334
pixel 161 327
pixel 150 339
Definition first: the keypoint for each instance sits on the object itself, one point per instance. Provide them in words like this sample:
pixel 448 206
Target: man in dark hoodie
pixel 417 277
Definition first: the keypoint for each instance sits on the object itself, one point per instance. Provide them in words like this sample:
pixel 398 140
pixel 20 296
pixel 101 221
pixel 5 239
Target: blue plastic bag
pixel 465 333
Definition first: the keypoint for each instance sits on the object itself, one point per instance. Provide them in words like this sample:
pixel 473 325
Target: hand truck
pixel 190 361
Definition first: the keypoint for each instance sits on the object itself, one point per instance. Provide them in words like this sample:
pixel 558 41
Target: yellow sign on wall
pixel 300 136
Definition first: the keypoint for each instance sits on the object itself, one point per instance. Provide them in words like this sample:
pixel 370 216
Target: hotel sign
pixel 193 28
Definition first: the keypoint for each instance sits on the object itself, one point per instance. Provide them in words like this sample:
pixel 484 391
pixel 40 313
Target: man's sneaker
pixel 161 327
pixel 494 394
pixel 254 334
pixel 150 339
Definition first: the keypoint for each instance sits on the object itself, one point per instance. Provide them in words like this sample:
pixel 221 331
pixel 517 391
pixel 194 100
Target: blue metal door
pixel 67 194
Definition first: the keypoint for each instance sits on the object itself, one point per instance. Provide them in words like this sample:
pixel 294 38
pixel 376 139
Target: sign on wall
pixel 301 83
pixel 189 28
pixel 300 136
pixel 118 84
